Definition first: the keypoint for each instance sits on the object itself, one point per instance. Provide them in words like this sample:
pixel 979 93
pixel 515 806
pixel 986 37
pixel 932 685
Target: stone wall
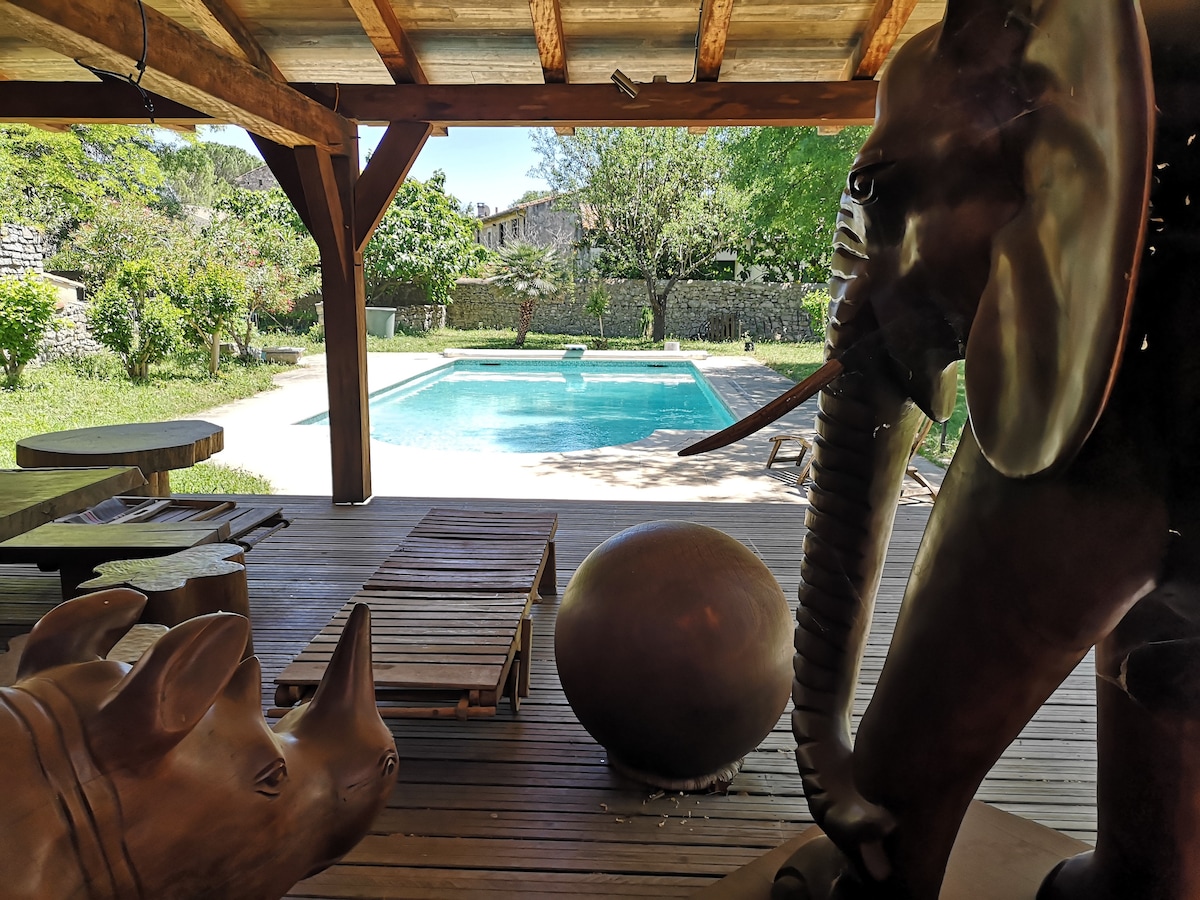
pixel 20 249
pixel 719 310
pixel 72 337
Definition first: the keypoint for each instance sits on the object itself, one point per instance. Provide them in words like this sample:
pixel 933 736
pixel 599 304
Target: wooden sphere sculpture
pixel 674 647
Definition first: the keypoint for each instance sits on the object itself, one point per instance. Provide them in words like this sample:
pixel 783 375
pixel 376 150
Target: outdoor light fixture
pixel 625 84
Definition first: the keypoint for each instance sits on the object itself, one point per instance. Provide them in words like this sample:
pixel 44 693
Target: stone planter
pixel 288 355
pixel 381 321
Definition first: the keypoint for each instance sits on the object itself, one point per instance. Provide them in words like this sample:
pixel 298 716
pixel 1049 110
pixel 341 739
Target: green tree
pixel 423 239
pixel 527 273
pixel 531 195
pixel 261 207
pixel 269 246
pixel 132 316
pixel 118 232
pixel 201 173
pixel 60 179
pixel 26 313
pixel 653 200
pixel 211 298
pixel 792 179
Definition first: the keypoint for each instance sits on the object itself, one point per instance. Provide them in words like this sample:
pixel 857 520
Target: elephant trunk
pixel 865 431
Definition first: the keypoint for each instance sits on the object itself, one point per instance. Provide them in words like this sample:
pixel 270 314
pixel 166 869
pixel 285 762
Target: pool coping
pixel 575 353
pixel 261 437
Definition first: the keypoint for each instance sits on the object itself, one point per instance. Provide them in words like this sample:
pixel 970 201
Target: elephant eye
pixel 389 763
pixel 861 185
pixel 271 780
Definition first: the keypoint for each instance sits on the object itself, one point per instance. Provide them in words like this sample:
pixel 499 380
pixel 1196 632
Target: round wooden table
pixel 154 447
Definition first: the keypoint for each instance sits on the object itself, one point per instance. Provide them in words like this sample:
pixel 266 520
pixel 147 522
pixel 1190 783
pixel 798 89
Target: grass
pixel 94 391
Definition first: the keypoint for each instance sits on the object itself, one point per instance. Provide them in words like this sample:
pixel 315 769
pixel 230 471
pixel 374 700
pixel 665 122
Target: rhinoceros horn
pixel 348 687
pixel 83 630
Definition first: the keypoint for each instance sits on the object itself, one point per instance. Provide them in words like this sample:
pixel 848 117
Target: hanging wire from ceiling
pixel 107 75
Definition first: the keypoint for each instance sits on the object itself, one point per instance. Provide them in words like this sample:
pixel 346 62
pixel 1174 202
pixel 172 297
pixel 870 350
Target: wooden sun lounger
pixel 450 627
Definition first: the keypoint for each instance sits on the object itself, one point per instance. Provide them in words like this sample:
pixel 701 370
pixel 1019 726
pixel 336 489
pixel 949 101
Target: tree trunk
pixel 658 306
pixel 524 320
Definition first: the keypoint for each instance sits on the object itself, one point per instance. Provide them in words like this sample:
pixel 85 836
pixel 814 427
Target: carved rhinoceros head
pixel 163 780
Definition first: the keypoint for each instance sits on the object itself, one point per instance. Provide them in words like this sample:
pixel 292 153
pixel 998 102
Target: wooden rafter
pixel 548 31
pixel 710 42
pixel 883 29
pixel 180 65
pixel 379 21
pixel 224 27
pixel 587 105
pixel 387 168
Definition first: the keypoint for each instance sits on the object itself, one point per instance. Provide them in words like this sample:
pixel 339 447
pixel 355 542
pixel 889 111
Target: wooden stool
pixel 777 443
pixel 802 459
pixel 204 579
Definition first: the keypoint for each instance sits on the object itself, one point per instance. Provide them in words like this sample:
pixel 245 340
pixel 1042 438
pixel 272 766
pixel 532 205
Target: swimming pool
pixel 543 406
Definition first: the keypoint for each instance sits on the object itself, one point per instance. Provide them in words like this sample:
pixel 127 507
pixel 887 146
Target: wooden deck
pixel 524 805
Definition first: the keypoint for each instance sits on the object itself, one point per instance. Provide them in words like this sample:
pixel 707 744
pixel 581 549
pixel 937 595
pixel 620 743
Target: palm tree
pixel 527 273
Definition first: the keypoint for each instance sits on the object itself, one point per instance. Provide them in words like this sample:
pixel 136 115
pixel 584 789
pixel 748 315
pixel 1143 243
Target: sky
pixel 482 165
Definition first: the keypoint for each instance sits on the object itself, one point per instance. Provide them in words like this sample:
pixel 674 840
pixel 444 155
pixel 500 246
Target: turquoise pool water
pixel 543 406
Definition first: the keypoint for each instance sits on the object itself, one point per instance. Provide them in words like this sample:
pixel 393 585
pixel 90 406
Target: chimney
pixel 482 210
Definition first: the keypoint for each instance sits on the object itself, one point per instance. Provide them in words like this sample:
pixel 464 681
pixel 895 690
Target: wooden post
pixel 341 211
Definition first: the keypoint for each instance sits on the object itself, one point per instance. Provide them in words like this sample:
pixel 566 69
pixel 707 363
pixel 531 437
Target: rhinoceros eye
pixel 389 763
pixel 270 780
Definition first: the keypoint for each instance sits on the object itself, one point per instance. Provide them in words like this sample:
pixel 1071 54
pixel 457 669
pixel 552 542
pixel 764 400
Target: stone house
pixel 536 222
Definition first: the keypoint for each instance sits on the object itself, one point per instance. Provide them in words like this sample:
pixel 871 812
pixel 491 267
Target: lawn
pixel 95 391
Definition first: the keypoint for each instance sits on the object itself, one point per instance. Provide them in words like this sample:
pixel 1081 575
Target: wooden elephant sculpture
pixel 1027 201
pixel 162 780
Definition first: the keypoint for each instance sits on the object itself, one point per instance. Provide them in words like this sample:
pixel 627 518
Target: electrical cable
pixel 140 65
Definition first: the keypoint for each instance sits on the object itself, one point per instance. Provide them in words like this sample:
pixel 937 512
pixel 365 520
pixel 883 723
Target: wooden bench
pixel 451 633
pixel 75 548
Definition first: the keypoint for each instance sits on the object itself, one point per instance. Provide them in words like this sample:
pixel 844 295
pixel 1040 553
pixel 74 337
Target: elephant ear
pixel 1048 335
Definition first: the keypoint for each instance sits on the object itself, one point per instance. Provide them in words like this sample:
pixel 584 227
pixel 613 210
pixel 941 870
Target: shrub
pixel 816 305
pixel 26 313
pixel 210 300
pixel 134 319
pixel 597 305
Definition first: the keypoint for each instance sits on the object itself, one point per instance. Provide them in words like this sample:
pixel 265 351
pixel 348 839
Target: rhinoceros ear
pixel 80 630
pixel 1051 326
pixel 167 692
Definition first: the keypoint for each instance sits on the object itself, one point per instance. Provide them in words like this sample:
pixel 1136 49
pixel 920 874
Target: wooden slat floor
pixel 524 805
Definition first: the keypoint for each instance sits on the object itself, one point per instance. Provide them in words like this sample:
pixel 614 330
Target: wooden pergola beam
pixel 710 42
pixel 548 32
pixel 887 20
pixel 91 102
pixel 387 35
pixel 322 188
pixel 180 65
pixel 589 105
pixel 386 170
pixel 224 27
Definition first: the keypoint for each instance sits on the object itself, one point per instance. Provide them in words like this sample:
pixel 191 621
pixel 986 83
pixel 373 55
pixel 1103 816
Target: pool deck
pixel 261 436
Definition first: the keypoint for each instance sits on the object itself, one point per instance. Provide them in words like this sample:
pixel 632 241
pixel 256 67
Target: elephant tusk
pixel 778 407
